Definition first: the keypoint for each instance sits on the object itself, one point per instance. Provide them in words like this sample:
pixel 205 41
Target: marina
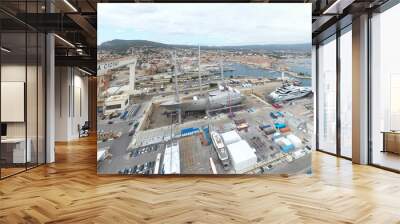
pixel 243 70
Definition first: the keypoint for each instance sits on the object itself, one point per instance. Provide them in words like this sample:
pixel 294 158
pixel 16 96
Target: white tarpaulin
pixel 231 137
pixel 242 155
pixel 171 159
pixel 296 141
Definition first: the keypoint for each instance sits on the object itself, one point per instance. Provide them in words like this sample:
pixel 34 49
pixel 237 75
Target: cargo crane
pixel 103 68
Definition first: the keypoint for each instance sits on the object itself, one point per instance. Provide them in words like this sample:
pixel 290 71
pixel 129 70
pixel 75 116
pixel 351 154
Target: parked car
pixel 133 170
pixel 132 131
pixel 152 164
pixel 126 171
pixel 124 115
pixel 114 115
pixel 141 167
pixel 276 114
pixel 135 153
pixel 277 106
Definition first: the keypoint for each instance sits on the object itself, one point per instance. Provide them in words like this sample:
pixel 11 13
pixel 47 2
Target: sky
pixel 205 24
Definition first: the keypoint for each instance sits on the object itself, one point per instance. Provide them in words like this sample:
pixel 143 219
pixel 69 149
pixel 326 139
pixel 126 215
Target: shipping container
pixel 269 131
pixel 280 125
pixel 263 126
pixel 284 130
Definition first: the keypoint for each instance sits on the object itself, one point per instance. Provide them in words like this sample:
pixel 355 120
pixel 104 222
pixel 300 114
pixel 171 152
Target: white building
pixel 242 156
pixel 296 141
pixel 117 103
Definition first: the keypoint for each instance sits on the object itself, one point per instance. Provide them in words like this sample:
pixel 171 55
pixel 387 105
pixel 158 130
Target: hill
pixel 118 45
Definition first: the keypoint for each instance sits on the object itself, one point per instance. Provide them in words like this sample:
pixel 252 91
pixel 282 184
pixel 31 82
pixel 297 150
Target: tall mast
pixel 222 69
pixel 176 76
pixel 176 86
pixel 201 88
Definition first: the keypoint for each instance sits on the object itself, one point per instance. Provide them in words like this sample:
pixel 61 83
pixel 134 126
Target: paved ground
pixel 118 147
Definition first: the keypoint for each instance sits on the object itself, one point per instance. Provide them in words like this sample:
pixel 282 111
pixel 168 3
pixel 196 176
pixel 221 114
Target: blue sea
pixel 246 70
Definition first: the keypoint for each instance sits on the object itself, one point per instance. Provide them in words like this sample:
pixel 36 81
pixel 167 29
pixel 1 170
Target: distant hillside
pixel 123 45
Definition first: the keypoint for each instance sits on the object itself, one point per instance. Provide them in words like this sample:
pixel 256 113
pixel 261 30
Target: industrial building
pixel 116 103
pixel 242 155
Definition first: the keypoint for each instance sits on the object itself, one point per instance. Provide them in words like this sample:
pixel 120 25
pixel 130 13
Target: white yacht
pixel 288 92
pixel 220 148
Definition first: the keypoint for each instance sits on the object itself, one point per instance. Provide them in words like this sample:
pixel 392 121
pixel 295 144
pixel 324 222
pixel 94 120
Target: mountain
pixel 123 45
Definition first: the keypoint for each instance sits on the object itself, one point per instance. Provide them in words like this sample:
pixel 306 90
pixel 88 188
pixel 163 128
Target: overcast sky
pixel 205 24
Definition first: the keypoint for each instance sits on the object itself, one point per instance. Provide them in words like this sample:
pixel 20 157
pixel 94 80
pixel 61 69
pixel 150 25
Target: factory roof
pixel 117 98
pixel 242 155
pixel 231 137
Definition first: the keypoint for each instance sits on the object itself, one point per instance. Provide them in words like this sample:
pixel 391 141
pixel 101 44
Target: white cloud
pixel 220 24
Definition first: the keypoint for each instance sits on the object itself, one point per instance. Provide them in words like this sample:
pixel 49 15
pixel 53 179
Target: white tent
pixel 231 137
pixel 101 154
pixel 242 155
pixel 296 141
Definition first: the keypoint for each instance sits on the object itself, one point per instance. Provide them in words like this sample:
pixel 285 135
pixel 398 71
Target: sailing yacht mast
pixel 222 69
pixel 176 85
pixel 201 88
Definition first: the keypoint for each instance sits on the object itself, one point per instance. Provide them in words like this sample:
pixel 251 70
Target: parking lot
pixel 115 132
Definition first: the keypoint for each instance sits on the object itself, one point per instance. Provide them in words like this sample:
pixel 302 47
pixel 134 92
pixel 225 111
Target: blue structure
pixel 189 131
pixel 287 148
pixel 280 125
pixel 207 136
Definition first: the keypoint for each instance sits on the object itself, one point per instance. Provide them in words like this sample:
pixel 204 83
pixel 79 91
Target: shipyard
pixel 203 110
